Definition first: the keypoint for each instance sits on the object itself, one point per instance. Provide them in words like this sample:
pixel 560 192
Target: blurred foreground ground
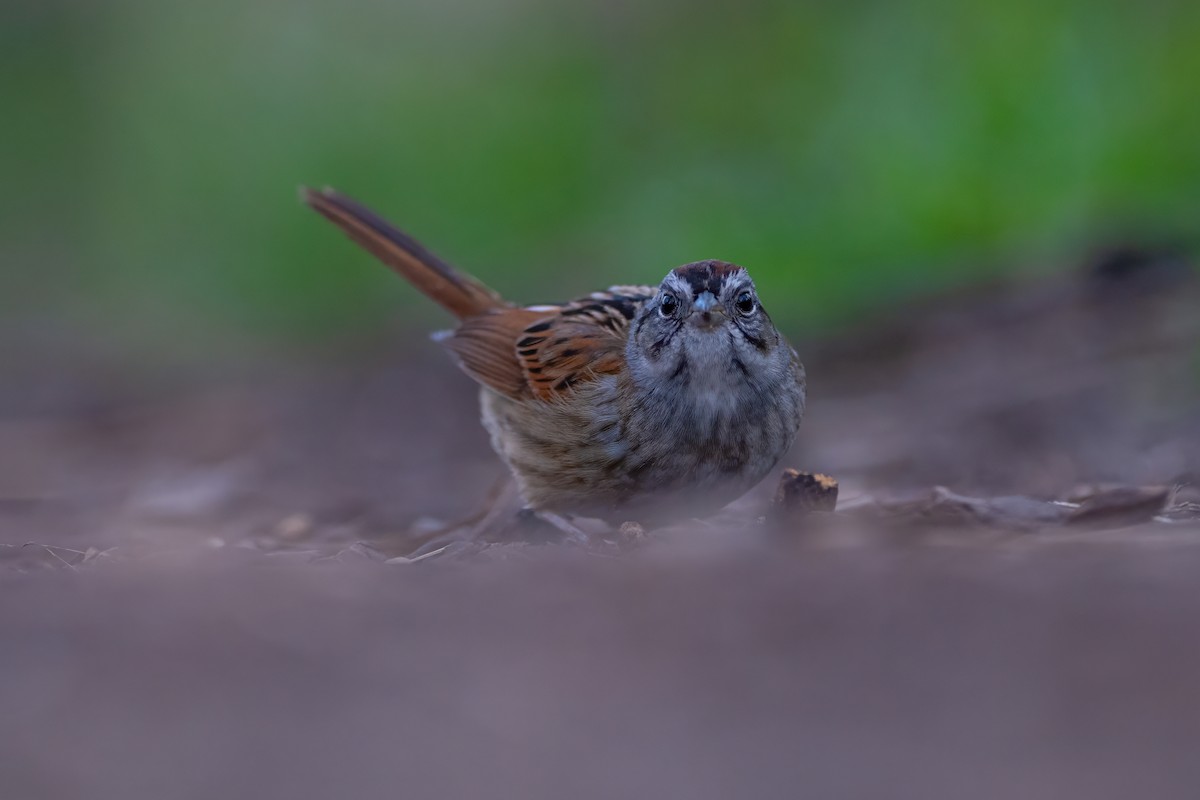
pixel 191 619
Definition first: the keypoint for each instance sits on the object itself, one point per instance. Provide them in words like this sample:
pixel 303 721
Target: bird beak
pixel 707 311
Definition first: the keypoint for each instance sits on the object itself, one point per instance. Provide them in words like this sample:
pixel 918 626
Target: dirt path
pixel 177 629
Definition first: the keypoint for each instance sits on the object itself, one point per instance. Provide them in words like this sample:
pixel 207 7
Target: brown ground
pixel 191 616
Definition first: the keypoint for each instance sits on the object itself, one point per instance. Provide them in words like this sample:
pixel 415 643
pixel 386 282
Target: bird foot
pixel 572 532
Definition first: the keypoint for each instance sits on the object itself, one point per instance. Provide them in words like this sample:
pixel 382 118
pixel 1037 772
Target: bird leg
pixel 570 530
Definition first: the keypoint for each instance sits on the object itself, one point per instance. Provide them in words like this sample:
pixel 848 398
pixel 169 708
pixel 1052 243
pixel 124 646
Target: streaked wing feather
pixel 483 346
pixel 584 340
pixel 545 351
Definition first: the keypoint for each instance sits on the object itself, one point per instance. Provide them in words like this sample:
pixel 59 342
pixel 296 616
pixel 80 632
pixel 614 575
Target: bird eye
pixel 745 303
pixel 668 305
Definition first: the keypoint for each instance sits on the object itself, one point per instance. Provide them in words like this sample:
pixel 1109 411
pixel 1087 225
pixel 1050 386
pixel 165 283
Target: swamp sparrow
pixel 635 403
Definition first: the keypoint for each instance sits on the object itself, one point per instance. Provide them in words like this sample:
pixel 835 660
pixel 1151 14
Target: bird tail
pixel 457 292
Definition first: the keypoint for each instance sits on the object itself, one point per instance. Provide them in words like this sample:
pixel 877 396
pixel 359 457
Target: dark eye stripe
pixel 759 343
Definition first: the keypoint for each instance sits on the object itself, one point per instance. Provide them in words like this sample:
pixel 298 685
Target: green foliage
pixel 848 153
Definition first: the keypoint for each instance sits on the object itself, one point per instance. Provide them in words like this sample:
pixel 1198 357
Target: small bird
pixel 633 404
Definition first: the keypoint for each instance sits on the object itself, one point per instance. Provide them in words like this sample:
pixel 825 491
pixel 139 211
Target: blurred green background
pixel 849 153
